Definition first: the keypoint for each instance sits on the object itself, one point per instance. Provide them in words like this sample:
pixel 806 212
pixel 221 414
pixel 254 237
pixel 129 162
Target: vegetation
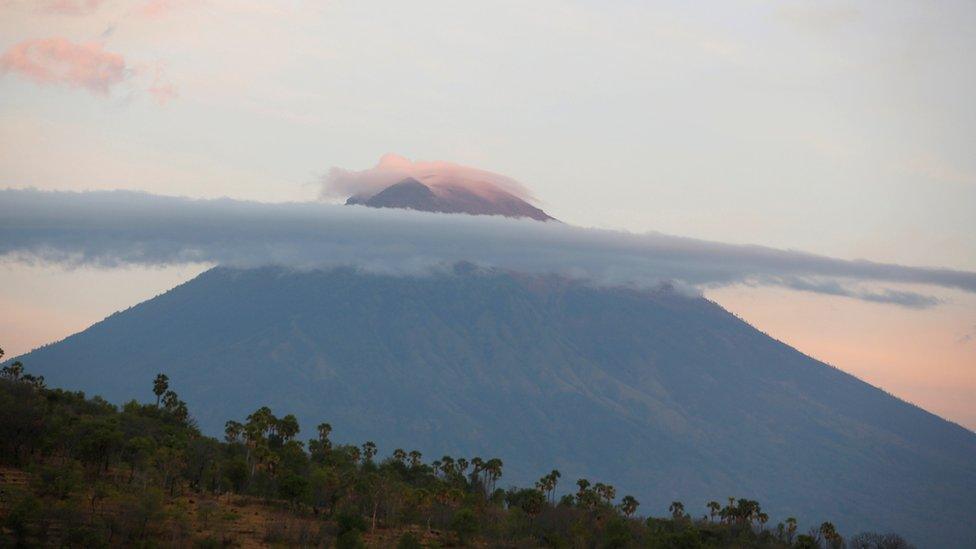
pixel 94 474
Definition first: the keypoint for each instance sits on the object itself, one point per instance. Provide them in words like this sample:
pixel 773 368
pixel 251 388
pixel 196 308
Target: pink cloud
pixel 440 176
pixel 62 62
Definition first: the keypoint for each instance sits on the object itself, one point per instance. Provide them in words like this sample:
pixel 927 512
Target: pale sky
pixel 843 129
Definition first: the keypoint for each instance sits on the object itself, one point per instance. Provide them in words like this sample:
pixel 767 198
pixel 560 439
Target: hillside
pixel 668 395
pixel 81 472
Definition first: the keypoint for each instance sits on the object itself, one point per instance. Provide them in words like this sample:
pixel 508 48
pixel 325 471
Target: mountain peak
pixel 450 197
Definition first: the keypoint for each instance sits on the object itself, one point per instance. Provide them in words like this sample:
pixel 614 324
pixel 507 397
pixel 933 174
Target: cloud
pixel 121 227
pixel 62 62
pixel 438 175
pixel 58 61
pixel 912 300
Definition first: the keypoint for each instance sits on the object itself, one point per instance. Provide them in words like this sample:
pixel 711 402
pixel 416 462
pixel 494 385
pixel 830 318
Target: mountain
pixel 666 396
pixel 449 198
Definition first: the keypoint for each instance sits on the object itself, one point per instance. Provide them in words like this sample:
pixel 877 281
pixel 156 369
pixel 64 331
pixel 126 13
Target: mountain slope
pixel 662 395
pixel 449 198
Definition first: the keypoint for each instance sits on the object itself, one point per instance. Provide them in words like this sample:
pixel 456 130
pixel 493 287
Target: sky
pixel 839 129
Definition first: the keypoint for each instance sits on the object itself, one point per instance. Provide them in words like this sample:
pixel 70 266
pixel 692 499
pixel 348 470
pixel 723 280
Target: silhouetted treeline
pixel 102 475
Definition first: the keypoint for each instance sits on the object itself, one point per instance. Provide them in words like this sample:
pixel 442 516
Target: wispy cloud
pixel 115 228
pixel 912 300
pixel 59 61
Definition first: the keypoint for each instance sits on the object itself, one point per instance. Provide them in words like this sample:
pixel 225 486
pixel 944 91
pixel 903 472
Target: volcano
pixel 664 395
pixel 411 194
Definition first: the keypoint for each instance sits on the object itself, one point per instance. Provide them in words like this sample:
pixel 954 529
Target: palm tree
pixel 447 466
pixel 324 430
pixel 233 431
pixel 762 518
pixel 605 491
pixel 713 507
pixel 160 386
pixel 400 455
pixel 262 419
pixel 415 459
pixel 493 468
pixel 790 529
pixel 730 510
pixel 629 505
pixel 553 477
pixel 583 485
pixel 830 535
pixel 369 450
pixel 677 509
pixel 287 427
pixel 477 466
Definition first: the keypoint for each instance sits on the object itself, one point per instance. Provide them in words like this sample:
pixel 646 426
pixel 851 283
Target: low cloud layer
pixel 393 168
pixel 117 228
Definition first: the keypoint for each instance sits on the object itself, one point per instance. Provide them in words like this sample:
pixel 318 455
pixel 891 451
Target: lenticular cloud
pixel 393 168
pixel 120 227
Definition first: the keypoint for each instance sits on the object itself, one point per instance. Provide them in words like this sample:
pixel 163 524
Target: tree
pixel 493 470
pixel 582 487
pixel 324 429
pixel 606 492
pixel 790 529
pixel 13 372
pixel 292 487
pixel 477 466
pixel 464 524
pixel 175 407
pixel 369 450
pixel 547 484
pixel 629 505
pixel 233 431
pixel 830 535
pixel 160 386
pixel 287 427
pixel 713 508
pixel 532 502
pixel 677 509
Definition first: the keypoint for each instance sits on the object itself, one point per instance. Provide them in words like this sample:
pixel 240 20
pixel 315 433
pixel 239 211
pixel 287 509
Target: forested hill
pixel 668 395
pixel 82 472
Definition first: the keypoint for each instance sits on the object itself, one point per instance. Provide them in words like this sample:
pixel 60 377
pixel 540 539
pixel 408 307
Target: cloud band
pixel 121 227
